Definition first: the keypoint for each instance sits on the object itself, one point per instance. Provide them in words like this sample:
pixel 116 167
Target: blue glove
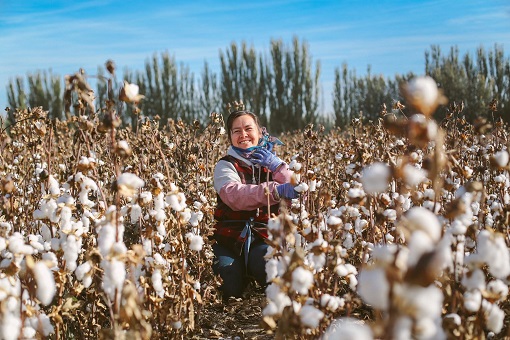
pixel 264 157
pixel 287 191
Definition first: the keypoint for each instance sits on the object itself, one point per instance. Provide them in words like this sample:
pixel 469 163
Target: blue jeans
pixel 231 267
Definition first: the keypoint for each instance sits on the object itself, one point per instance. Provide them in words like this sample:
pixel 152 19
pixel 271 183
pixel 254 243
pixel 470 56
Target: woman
pixel 241 180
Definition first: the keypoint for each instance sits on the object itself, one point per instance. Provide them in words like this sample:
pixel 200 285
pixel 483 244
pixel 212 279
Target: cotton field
pixel 401 229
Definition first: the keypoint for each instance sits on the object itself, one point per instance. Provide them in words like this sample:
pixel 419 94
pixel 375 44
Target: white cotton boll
pixel 348 242
pixel 425 328
pixel 176 201
pixel 498 288
pixel 128 184
pixel 106 238
pixel 413 176
pixel 390 214
pixel 271 269
pixel 348 329
pixel 295 165
pixel 51 259
pixel 313 185
pixel 157 282
pixel 87 281
pixel 317 262
pixel 492 248
pixel 196 218
pixel 82 270
pixel 334 221
pixel 332 303
pixel 45 283
pixel 373 287
pixel 65 219
pixel 458 228
pixel 419 244
pixel 10 326
pixel 355 193
pixel 276 296
pixel 353 281
pixel 17 245
pixel 419 218
pixel 185 215
pixel 28 332
pixel 147 246
pixel 302 280
pixel 270 309
pixel 136 213
pixel 301 187
pixel 273 224
pixel 71 249
pixel 494 316
pixel 42 323
pixel 375 178
pixel 145 197
pixel 424 302
pixel 310 316
pixel 474 280
pixel 113 278
pixel 472 300
pixel 195 241
pixel 501 158
pixel 3 244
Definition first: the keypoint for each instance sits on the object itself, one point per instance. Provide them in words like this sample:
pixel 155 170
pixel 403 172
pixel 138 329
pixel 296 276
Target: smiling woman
pixel 250 181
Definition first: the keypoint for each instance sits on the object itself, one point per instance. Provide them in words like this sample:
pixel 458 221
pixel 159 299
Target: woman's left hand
pixel 264 157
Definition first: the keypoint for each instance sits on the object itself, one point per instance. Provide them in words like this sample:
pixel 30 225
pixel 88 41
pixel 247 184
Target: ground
pixel 234 319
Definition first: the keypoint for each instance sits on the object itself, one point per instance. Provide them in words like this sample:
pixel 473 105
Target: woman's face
pixel 245 133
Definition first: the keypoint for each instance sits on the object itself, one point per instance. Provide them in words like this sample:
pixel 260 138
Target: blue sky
pixel 391 36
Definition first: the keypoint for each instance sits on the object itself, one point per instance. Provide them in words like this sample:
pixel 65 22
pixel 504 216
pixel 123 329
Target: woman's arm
pixel 238 196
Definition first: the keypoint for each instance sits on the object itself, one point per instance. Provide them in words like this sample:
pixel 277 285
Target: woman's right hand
pixel 286 190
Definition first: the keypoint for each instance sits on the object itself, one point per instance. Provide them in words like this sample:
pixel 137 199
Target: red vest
pixel 230 223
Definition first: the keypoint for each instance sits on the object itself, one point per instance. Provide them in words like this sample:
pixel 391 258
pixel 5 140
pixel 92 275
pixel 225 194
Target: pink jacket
pixel 233 193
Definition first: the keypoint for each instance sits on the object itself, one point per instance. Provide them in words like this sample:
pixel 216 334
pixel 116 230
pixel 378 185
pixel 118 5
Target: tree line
pixel 283 87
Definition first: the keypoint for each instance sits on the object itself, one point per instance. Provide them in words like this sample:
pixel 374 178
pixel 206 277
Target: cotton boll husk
pixel 302 280
pixel 472 300
pixel 348 329
pixel 310 316
pixel 373 287
pixel 45 283
pixel 474 280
